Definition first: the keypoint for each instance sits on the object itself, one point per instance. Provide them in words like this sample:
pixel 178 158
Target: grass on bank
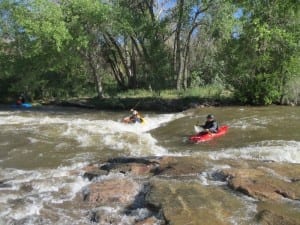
pixel 208 92
pixel 166 100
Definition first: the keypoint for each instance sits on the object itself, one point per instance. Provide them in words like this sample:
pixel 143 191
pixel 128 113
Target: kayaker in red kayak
pixel 210 126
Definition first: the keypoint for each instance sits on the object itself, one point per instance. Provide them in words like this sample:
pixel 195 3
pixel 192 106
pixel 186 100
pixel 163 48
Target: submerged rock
pixel 277 213
pixel 3 184
pixel 267 217
pixel 189 202
pixel 149 221
pixel 118 191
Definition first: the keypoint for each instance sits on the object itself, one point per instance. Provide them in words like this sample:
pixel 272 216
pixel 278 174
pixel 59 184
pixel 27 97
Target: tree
pixel 87 21
pixel 134 46
pixel 36 34
pixel 197 23
pixel 258 66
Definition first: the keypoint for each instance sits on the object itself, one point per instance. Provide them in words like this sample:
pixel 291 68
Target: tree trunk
pixel 120 54
pixel 178 55
pixel 94 66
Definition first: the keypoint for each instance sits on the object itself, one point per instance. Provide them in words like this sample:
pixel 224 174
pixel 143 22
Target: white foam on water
pixel 151 122
pixel 7 113
pixel 4 143
pixel 274 174
pixel 15 119
pixel 116 214
pixel 252 123
pixel 207 177
pixel 142 144
pixel 33 120
pixel 141 213
pixel 52 186
pixel 132 138
pixel 159 120
pixel 245 213
pixel 33 140
pixel 17 177
pixel 294 203
pixel 28 209
pixel 203 178
pixel 278 151
pixel 61 146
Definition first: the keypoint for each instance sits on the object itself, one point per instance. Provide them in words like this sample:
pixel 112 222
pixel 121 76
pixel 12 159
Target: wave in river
pixel 27 192
pixel 278 151
pixel 64 132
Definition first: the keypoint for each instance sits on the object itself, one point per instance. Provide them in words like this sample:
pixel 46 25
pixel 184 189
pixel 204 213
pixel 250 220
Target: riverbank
pixel 145 104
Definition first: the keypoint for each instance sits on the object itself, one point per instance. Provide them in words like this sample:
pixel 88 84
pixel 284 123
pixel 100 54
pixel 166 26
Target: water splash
pixel 29 191
pixel 278 151
pixel 133 139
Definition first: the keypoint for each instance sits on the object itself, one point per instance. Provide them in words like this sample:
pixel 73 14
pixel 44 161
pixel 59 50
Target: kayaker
pixel 134 118
pixel 21 100
pixel 211 125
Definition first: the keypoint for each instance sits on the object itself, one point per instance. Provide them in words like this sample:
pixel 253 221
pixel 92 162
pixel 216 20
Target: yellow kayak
pixel 130 121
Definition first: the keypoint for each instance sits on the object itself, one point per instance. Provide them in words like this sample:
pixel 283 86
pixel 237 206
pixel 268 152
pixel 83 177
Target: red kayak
pixel 208 136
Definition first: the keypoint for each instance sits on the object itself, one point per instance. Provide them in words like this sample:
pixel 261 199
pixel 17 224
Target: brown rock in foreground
pixel 262 183
pixel 163 166
pixel 180 166
pixel 148 221
pixel 175 194
pixel 189 202
pixel 119 191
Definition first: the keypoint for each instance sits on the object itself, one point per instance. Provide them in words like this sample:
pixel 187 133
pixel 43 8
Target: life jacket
pixel 136 118
pixel 210 124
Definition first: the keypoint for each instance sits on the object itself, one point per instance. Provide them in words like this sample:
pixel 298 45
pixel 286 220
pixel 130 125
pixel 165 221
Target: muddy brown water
pixel 39 148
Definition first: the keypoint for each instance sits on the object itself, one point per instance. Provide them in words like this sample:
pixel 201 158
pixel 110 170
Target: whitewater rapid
pixel 40 151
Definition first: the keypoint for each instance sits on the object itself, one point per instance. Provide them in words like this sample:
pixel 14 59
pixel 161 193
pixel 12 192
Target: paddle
pixel 198 129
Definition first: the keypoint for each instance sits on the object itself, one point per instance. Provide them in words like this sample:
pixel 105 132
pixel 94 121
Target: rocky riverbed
pixel 186 190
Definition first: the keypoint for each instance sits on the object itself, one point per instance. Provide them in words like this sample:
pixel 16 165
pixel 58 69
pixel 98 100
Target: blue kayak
pixel 23 105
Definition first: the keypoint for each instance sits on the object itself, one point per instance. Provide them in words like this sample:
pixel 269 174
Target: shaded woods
pixel 75 48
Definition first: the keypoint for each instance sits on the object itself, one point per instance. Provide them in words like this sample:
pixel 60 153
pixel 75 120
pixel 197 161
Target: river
pixel 39 148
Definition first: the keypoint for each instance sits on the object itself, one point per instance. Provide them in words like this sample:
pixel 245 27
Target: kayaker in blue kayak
pixel 21 100
pixel 210 126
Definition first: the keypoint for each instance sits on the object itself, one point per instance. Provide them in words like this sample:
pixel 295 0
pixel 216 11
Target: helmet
pixel 134 112
pixel 210 116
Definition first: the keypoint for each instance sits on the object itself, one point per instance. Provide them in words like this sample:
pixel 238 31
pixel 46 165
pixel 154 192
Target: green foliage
pixel 215 31
pixel 293 91
pixel 258 90
pixel 42 22
pixel 258 64
pixel 57 49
